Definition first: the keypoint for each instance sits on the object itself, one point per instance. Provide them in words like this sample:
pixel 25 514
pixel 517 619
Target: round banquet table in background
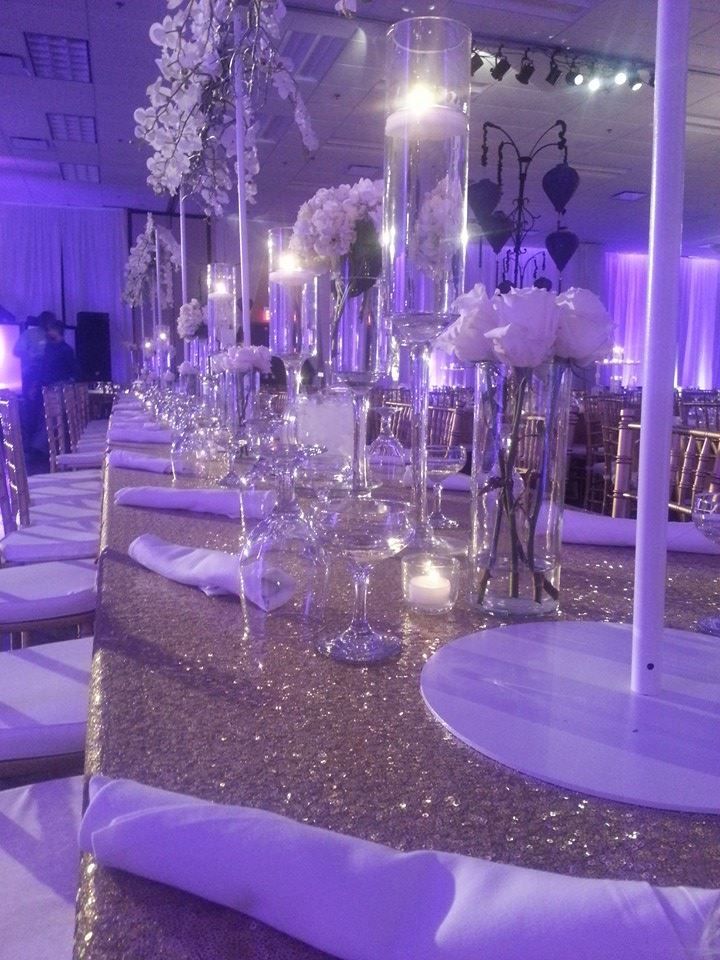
pixel 189 695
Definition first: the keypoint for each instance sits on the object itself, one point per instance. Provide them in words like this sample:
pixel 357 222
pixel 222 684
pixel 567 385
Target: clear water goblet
pixel 386 455
pixel 443 462
pixel 364 531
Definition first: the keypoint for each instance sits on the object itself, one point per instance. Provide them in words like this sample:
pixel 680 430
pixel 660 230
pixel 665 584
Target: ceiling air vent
pixel 59 58
pixel 72 127
pixel 80 172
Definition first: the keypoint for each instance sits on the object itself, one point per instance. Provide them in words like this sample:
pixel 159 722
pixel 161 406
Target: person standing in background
pixel 29 348
pixel 59 363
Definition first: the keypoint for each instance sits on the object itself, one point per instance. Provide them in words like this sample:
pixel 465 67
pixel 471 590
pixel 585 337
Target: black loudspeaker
pixel 92 346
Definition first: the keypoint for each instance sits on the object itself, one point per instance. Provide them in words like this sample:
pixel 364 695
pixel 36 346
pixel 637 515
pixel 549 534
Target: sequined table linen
pixel 196 694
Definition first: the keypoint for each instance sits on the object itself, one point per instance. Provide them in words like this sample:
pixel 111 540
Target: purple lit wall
pixel 698 360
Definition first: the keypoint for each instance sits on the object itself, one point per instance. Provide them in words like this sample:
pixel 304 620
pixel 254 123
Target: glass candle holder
pixel 430 583
pixel 426 156
pixel 222 318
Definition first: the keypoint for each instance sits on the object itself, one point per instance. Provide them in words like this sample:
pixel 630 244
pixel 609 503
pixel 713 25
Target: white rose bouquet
pixel 526 341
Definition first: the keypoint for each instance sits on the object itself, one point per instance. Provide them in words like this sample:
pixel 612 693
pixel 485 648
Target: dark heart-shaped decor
pixel 483 197
pixel 559 184
pixel 498 228
pixel 561 244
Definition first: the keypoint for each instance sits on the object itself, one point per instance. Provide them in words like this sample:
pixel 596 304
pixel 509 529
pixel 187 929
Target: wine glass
pixel 364 531
pixel 386 455
pixel 282 559
pixel 706 517
pixel 443 462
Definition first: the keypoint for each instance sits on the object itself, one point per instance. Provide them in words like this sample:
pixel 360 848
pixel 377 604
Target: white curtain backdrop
pixel 66 260
pixel 94 251
pixel 30 264
pixel 698 364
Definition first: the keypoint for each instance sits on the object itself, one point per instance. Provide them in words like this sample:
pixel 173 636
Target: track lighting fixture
pixel 502 65
pixel 620 78
pixel 527 69
pixel 476 61
pixel 574 77
pixel 554 73
pixel 634 80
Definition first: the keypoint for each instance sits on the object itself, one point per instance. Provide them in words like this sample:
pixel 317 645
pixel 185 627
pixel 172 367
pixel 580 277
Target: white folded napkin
pixel 593 528
pixel 214 571
pixel 138 434
pixel 358 900
pixel 251 504
pixel 128 460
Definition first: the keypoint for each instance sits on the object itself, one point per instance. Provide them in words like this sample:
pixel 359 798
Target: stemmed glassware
pixel 293 310
pixel 706 517
pixel 359 355
pixel 424 209
pixel 386 455
pixel 364 531
pixel 282 556
pixel 443 462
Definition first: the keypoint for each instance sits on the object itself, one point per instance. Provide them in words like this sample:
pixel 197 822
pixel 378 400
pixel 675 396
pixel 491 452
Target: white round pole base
pixel 552 700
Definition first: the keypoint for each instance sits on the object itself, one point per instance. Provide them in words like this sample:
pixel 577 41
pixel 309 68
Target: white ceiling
pixel 609 132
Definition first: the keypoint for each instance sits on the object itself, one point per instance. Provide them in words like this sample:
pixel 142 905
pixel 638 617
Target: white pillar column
pixel 242 200
pixel 666 211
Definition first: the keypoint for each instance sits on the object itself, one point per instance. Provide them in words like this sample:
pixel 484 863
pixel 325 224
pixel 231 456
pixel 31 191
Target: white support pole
pixel 183 266
pixel 142 319
pixel 666 212
pixel 158 292
pixel 242 199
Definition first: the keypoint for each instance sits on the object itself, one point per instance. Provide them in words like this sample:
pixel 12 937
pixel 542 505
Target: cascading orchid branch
pixel 140 266
pixel 191 117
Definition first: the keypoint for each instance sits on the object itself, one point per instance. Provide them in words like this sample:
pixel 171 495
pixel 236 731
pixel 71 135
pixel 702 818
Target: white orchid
pixel 140 266
pixel 190 120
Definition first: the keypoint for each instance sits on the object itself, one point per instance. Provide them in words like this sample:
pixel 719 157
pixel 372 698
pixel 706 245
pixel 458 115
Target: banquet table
pixel 210 697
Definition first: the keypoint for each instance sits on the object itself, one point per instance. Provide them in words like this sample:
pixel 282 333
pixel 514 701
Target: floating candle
pixel 291 277
pixel 433 122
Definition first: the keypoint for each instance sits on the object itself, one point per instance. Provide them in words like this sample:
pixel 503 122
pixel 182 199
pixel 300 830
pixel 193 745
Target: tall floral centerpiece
pixel 425 199
pixel 338 230
pixel 524 345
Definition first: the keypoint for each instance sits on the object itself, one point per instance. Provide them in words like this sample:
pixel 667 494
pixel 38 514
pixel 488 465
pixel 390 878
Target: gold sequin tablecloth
pixel 189 696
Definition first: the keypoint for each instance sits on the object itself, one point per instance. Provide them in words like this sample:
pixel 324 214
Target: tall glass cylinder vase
pixel 425 201
pixel 293 300
pixel 358 353
pixel 196 349
pixel 222 316
pixel 518 487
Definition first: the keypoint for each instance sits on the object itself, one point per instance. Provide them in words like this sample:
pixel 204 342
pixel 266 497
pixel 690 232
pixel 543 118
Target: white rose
pixel 527 324
pixel 262 359
pixel 186 368
pixel 586 331
pixel 240 359
pixel 466 337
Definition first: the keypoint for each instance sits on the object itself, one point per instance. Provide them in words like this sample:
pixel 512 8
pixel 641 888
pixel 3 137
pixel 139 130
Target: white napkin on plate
pixel 252 504
pixel 214 571
pixel 359 900
pixel 130 433
pixel 128 460
pixel 593 528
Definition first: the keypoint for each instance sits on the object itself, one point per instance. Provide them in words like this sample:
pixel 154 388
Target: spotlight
pixel 595 83
pixel 554 73
pixel 502 65
pixel 476 61
pixel 620 78
pixel 634 80
pixel 527 69
pixel 573 77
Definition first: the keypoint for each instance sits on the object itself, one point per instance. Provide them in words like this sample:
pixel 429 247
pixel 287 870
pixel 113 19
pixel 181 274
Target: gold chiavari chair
pixel 61 457
pixel 694 468
pixel 700 415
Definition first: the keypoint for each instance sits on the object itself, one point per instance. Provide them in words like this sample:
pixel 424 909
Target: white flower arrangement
pixel 191 318
pixel 140 265
pixel 244 359
pixel 190 120
pixel 326 225
pixel 526 328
